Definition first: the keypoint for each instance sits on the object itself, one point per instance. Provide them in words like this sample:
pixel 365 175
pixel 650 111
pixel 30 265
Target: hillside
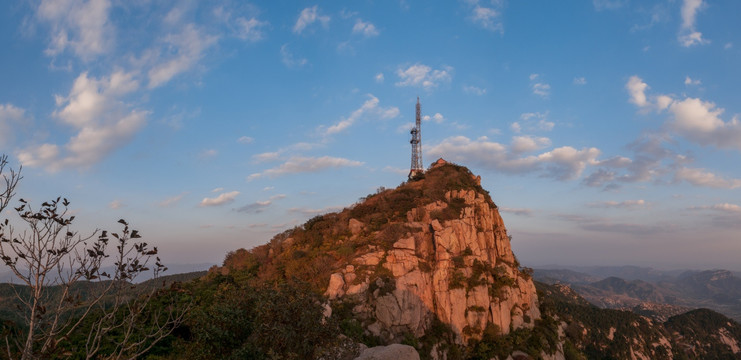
pixel 593 333
pixel 430 250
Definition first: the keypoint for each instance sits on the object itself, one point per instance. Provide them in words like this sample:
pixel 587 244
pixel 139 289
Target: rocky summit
pixel 433 250
pixel 429 265
pixel 459 268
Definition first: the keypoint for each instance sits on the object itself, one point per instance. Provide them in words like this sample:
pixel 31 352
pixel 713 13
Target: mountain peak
pixel 433 250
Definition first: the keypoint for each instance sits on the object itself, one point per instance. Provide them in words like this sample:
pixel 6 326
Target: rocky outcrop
pixel 452 260
pixel 391 352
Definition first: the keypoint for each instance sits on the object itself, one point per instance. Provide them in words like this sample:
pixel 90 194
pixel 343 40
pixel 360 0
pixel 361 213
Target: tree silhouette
pixel 68 294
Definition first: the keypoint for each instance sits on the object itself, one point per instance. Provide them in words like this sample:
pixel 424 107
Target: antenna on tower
pixel 416 142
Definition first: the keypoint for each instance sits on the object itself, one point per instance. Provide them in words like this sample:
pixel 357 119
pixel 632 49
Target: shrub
pixel 457 280
pixel 458 261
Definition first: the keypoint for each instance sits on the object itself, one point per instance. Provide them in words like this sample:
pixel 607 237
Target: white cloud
pixel 517 211
pixel 566 162
pixel 692 38
pixel 693 118
pixel 489 18
pixel 299 164
pixel 690 81
pixel 540 88
pixel 637 89
pixel 366 29
pixel 701 177
pixel 580 80
pixel 379 78
pixel 369 108
pixel 620 204
pixel 290 60
pixel 208 153
pixel 723 207
pixel 250 29
pixel 437 118
pixel 82 26
pixel 689 12
pixel 266 156
pixel 527 122
pixel 563 163
pixel 187 48
pixel 245 140
pixel 421 75
pixel 312 212
pixel 470 89
pixel 172 201
pixel 728 46
pixel 218 189
pixel 9 114
pixel 116 204
pixel 104 123
pixel 223 198
pixel 521 144
pixel 700 121
pixel 688 35
pixel 255 208
pixel 268 188
pixel 260 206
pixel 309 16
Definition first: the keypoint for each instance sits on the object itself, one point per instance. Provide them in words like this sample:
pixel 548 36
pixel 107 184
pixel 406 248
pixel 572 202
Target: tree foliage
pixel 67 295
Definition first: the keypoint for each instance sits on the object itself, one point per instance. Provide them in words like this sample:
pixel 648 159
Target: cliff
pixel 460 270
pixel 432 250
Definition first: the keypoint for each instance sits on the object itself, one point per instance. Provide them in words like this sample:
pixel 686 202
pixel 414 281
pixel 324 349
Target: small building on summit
pixel 439 162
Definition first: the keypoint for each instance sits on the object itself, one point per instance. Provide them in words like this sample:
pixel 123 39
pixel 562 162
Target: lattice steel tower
pixel 416 142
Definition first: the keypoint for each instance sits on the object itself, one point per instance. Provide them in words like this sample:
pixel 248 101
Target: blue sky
pixel 607 131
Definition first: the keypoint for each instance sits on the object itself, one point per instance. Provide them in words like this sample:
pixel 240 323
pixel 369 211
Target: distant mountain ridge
pixel 675 291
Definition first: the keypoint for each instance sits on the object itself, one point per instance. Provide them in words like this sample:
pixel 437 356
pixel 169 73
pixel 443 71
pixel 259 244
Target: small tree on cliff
pixel 71 305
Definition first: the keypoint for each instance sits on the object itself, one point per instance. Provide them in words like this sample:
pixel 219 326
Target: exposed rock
pixel 355 226
pixel 335 288
pixel 391 352
pixel 459 270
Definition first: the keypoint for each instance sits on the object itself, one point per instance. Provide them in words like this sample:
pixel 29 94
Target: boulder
pixel 390 352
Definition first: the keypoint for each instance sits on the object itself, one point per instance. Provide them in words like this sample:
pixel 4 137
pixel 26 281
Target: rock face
pixel 391 352
pixel 459 268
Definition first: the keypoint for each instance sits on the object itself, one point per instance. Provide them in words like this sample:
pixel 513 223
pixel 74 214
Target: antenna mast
pixel 416 142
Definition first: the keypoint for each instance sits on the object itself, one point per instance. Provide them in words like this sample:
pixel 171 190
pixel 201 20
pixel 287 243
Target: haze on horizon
pixel 607 131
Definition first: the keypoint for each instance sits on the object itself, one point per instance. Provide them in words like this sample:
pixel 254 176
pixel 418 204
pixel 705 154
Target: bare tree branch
pixel 69 291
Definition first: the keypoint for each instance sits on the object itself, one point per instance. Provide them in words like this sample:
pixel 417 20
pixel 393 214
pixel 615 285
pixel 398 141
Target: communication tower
pixel 416 142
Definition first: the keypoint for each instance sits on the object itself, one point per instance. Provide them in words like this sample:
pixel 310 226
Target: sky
pixel 607 131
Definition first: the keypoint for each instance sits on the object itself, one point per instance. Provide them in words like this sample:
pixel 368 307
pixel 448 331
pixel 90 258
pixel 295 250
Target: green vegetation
pixel 702 325
pixel 67 303
pixel 236 320
pixel 457 280
pixel 542 338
